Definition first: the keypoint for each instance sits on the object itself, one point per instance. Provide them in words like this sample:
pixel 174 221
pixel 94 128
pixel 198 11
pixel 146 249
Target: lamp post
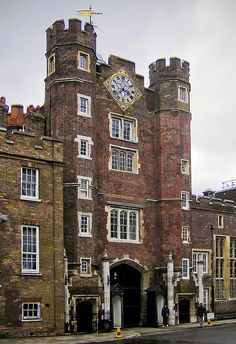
pixel 212 270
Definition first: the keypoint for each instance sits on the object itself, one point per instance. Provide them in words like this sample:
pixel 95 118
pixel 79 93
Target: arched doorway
pixel 84 315
pixel 184 310
pixel 129 280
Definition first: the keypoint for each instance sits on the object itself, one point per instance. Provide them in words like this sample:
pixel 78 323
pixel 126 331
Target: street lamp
pixel 212 269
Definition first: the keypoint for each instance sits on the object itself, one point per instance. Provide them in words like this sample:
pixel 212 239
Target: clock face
pixel 122 89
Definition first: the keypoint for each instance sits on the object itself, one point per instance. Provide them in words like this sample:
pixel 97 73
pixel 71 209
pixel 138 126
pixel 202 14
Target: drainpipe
pixel 170 289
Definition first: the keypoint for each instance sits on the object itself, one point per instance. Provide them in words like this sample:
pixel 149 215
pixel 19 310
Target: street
pixel 217 334
pixel 224 334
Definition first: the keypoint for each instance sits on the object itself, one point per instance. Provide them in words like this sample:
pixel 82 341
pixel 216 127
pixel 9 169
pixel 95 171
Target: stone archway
pixel 129 279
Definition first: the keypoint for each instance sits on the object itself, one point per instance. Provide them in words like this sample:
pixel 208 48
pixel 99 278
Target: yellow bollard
pixel 118 333
pixel 209 322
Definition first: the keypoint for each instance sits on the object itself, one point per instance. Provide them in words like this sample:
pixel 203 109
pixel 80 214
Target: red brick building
pixel 127 180
pixel 134 236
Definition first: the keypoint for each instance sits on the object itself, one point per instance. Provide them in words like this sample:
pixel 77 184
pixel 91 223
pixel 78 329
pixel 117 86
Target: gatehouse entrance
pixel 129 279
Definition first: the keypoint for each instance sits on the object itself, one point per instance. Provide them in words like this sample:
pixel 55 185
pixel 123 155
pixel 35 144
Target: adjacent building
pixel 31 226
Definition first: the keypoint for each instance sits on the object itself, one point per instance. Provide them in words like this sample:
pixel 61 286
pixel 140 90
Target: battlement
pixel 59 34
pixel 212 203
pixel 29 145
pixel 161 70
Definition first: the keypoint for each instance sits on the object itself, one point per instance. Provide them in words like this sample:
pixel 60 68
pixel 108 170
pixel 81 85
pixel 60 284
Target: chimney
pixel 3 110
pixel 16 118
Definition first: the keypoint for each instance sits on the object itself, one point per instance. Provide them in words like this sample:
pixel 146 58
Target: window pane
pixel 129 162
pixel 127 130
pixel 123 224
pixel 84 147
pixel 84 224
pixel 115 160
pixel 83 63
pixel 133 226
pixel 114 224
pixel 84 105
pixel 122 158
pixel 115 127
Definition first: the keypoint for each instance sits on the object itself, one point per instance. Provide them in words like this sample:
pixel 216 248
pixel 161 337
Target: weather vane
pixel 89 13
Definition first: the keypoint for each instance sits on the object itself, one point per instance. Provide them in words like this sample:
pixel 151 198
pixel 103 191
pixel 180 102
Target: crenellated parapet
pixel 59 34
pixel 214 204
pixel 160 70
pixel 31 146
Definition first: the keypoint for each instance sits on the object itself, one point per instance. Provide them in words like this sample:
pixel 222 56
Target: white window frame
pixel 80 112
pixel 123 228
pixel 122 120
pixel 184 166
pixel 31 254
pixel 85 67
pixel 51 64
pixel 88 231
pixel 29 184
pixel 185 235
pixel 79 139
pixel 185 268
pixel 88 272
pixel 183 94
pixel 185 200
pixel 200 255
pixel 32 317
pixel 84 193
pixel 124 163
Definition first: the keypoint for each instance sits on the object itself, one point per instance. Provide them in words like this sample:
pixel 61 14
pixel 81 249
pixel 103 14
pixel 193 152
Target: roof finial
pixel 89 13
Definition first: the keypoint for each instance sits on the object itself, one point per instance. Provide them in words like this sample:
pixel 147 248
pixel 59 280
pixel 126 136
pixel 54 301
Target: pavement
pixel 108 336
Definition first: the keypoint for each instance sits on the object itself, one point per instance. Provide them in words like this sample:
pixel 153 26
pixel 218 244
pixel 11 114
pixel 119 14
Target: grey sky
pixel 199 31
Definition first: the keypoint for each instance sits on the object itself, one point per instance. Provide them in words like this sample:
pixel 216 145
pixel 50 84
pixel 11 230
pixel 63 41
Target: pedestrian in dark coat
pixel 165 315
pixel 201 311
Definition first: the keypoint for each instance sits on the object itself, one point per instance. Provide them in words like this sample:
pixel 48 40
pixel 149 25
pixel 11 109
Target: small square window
pixel 85 266
pixel 83 61
pixel 30 311
pixel 51 64
pixel 185 200
pixel 184 166
pixel 84 105
pixel 85 224
pixel 185 234
pixel 183 94
pixel 84 146
pixel 84 187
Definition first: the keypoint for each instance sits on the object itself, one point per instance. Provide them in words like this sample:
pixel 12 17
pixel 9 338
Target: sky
pixel 201 32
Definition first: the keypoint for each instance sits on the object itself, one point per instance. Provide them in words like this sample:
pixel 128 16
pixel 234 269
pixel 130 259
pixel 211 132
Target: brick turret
pixel 70 86
pixel 171 87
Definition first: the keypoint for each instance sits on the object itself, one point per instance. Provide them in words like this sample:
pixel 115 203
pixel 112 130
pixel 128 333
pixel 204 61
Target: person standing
pixel 165 314
pixel 201 311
